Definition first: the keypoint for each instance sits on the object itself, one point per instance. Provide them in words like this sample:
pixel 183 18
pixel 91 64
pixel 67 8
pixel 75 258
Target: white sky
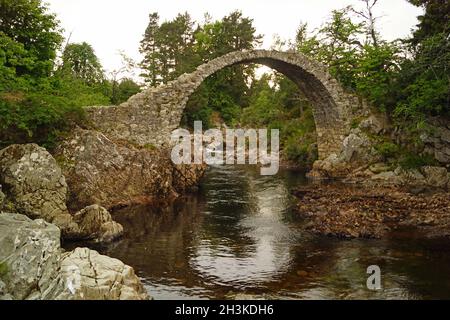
pixel 113 25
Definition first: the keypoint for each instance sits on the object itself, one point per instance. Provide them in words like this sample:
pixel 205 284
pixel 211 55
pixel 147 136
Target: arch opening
pixel 149 117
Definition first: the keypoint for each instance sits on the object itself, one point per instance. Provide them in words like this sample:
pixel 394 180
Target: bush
pixel 387 150
pixel 43 111
pixel 414 161
pixel 38 118
pixel 302 150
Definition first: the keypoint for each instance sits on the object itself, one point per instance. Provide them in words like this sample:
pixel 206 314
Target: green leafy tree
pixel 37 104
pixel 79 60
pixel 34 33
pixel 228 89
pixel 434 21
pixel 167 49
pixel 124 90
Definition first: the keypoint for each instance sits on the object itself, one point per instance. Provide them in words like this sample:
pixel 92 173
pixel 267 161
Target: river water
pixel 239 235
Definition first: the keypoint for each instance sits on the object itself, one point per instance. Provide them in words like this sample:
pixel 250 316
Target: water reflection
pixel 239 235
pixel 245 242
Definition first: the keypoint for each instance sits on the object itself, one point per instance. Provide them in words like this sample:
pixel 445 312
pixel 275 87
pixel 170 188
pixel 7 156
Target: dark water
pixel 239 235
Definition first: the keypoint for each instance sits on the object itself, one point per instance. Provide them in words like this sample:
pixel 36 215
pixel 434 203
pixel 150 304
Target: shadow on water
pixel 239 234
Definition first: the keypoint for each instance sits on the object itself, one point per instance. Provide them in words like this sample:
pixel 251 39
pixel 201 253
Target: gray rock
pixel 31 252
pixel 36 268
pixel 436 176
pixel 38 189
pixel 3 294
pixel 379 167
pixel 412 177
pixel 35 184
pixel 388 176
pixel 101 171
pixel 374 124
pixel 437 140
pixel 96 223
pixel 92 276
pixel 442 155
pixel 357 149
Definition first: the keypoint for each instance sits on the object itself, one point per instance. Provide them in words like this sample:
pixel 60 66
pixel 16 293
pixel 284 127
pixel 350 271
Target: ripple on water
pixel 240 235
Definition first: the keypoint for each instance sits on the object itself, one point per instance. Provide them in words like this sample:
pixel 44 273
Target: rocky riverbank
pixel 117 173
pixel 69 194
pixel 352 211
pixel 33 185
pixel 34 266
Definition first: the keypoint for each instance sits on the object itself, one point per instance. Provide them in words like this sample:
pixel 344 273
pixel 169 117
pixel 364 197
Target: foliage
pixel 409 79
pixel 175 47
pixel 79 61
pixel 167 48
pixel 387 150
pixel 32 34
pixel 276 103
pixel 35 105
pixel 123 90
pixel 39 101
pixel 413 160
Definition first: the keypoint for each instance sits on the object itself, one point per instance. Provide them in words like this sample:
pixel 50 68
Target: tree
pixel 336 45
pixel 168 49
pixel 124 89
pixel 435 20
pixel 424 80
pixel 80 61
pixel 37 104
pixel 27 26
pixel 149 48
pixel 369 19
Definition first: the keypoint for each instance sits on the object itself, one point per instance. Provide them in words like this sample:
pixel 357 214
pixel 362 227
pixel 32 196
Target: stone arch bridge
pixel 150 116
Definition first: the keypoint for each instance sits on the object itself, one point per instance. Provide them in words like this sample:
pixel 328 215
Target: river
pixel 239 235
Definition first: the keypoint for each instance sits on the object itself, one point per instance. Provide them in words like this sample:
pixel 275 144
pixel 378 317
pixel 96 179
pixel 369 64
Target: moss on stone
pixel 63 162
pixel 3 269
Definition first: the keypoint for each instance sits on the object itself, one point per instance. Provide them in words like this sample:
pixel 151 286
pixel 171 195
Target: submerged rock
pixel 37 268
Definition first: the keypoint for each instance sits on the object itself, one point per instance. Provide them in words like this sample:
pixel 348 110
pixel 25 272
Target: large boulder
pixel 30 252
pixel 35 266
pixel 110 173
pixel 92 276
pixel 35 185
pixel 357 149
pixel 357 153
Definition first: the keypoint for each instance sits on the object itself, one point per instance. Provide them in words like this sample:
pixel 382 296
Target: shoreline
pixel 356 211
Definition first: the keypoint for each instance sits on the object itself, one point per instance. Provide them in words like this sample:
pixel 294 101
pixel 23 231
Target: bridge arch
pixel 150 116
